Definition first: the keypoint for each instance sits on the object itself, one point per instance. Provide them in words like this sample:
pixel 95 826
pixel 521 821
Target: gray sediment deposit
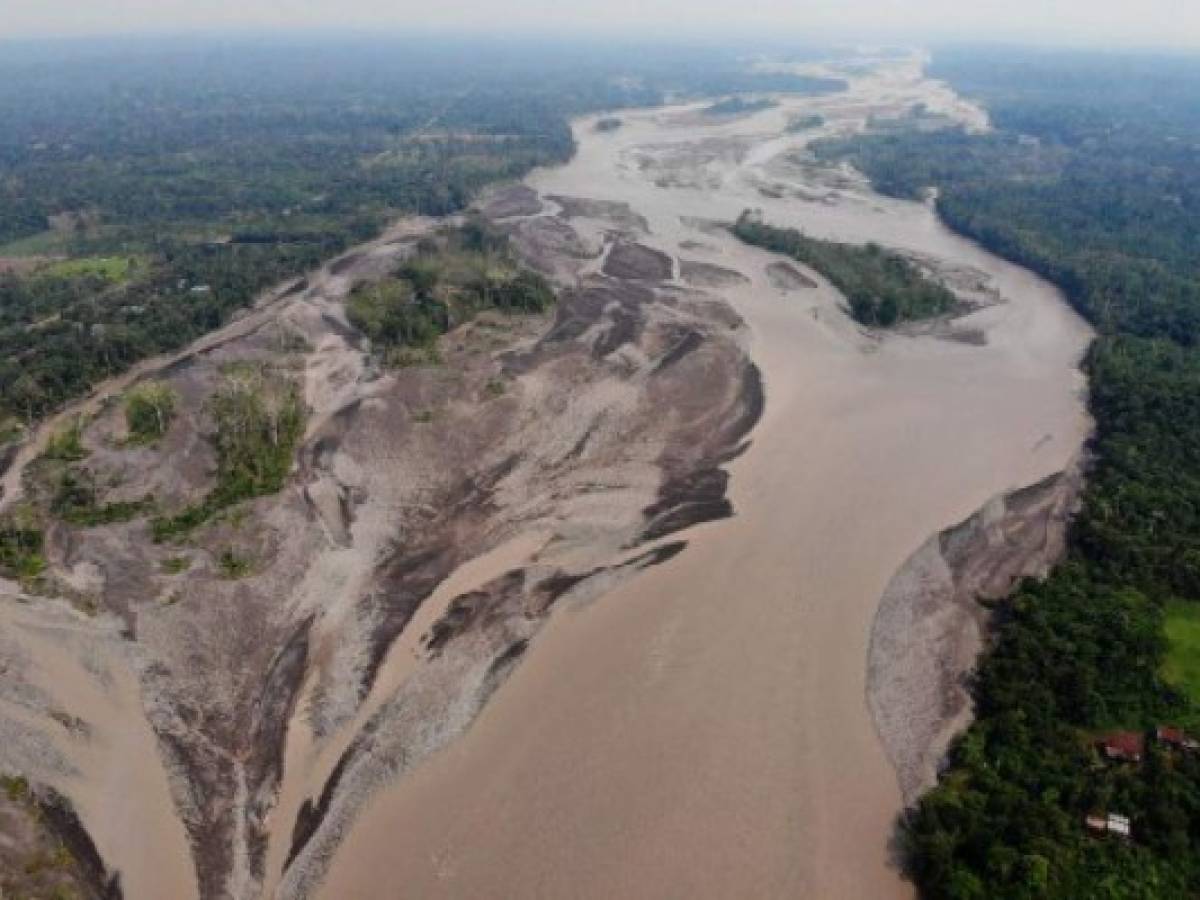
pixel 516 200
pixel 709 275
pixel 271 704
pixel 631 260
pixel 581 609
pixel 931 623
pixel 787 277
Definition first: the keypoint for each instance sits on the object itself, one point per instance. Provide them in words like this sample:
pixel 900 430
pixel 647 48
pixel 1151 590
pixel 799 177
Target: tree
pixel 149 408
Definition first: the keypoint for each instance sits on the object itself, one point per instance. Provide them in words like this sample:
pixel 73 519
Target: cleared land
pixel 1182 668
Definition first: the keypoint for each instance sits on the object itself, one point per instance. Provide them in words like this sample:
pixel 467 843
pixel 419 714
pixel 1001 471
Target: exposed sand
pixel 929 627
pixel 109 767
pixel 309 762
pixel 435 516
pixel 468 661
pixel 703 730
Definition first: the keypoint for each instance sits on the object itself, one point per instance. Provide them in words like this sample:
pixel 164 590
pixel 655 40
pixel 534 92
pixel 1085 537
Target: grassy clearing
pixel 11 429
pixel 1182 666
pixel 114 269
pixel 15 788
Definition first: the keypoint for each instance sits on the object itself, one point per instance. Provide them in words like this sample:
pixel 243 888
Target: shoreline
pixel 931 625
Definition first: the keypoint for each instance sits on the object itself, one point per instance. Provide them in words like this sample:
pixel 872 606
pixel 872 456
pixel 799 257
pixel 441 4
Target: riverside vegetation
pixel 882 287
pixel 1090 178
pixel 451 278
pixel 259 416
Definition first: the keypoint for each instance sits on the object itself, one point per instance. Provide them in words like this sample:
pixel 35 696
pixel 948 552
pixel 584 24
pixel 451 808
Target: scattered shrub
pixel 149 408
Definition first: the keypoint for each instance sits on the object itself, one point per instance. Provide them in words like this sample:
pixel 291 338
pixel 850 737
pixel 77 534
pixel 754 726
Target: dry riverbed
pixel 588 608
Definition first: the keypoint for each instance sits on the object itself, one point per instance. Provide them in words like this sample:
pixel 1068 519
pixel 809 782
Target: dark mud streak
pixel 270 717
pixel 413 575
pixel 502 666
pixel 298 288
pixel 7 455
pixel 638 262
pixel 560 583
pixel 345 264
pixel 581 308
pixel 659 555
pixel 698 495
pixel 352 336
pixel 310 816
pixel 59 816
pixel 708 275
pixel 580 445
pixel 474 610
pixel 466 609
pixel 626 328
pixel 754 402
pixel 464 612
pixel 686 501
pixel 691 341
pixel 318 454
pixel 210 775
pixel 408 582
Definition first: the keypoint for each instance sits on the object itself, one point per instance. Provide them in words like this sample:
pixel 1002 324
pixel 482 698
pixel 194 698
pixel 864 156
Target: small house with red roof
pixel 1176 738
pixel 1123 746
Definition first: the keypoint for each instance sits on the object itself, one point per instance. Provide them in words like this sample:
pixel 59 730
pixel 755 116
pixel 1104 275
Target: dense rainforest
pixel 151 188
pixel 882 287
pixel 1091 176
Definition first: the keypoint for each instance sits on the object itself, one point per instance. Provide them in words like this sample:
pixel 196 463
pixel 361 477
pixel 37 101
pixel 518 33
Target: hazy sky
pixel 1175 22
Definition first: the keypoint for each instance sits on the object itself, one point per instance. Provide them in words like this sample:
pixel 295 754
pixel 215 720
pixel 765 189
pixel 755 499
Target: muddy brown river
pixel 703 730
pixel 696 725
